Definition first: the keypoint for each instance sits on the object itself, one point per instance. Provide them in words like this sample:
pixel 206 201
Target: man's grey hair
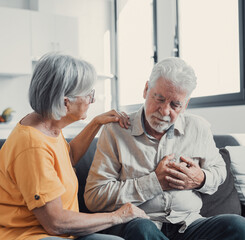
pixel 57 76
pixel 177 71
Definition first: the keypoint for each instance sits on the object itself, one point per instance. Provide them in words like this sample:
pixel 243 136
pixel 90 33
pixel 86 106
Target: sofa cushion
pixel 237 155
pixel 222 141
pixel 226 199
pixel 2 141
pixel 82 169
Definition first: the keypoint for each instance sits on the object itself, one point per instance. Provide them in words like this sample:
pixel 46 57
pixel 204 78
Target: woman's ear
pixel 66 100
pixel 66 103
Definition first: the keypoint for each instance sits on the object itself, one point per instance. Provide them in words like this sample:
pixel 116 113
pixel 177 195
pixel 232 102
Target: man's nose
pixel 164 109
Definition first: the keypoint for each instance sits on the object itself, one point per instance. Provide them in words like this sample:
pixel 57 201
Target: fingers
pixel 177 181
pixel 177 166
pixel 176 186
pixel 113 116
pixel 188 161
pixel 140 213
pixel 184 166
pixel 175 174
pixel 122 118
pixel 128 212
pixel 168 157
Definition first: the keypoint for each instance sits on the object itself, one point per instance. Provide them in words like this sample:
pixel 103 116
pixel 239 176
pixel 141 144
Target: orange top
pixel 34 169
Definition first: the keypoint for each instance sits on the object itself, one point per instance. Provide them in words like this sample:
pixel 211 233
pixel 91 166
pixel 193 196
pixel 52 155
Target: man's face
pixel 163 104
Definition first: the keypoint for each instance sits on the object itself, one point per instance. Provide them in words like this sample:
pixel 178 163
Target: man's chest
pixel 140 156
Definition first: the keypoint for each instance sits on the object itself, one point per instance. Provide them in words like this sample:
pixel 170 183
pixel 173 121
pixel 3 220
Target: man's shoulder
pixel 195 120
pixel 114 130
pixel 115 125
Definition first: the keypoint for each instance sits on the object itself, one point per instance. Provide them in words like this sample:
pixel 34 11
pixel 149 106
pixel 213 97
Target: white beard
pixel 158 125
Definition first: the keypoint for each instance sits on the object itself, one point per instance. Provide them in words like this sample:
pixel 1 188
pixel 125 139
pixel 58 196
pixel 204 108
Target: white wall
pixel 94 17
pixel 95 24
pixel 95 21
pixel 224 120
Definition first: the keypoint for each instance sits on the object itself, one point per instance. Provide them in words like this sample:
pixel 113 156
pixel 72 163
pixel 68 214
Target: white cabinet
pixel 26 35
pixel 42 34
pixel 53 33
pixel 15 42
pixel 66 35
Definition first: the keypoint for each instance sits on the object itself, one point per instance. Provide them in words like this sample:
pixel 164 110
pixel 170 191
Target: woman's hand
pixel 128 212
pixel 113 116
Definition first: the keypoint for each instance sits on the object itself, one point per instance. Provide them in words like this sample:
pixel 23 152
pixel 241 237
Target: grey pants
pixel 94 236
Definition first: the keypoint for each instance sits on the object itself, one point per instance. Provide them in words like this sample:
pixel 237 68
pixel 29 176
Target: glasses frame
pixel 91 96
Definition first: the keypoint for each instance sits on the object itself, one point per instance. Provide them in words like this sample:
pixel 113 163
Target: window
pixel 135 50
pixel 210 38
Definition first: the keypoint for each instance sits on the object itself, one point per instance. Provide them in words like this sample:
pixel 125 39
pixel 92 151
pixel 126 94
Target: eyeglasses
pixel 91 96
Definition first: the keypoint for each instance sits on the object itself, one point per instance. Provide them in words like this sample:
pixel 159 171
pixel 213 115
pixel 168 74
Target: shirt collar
pixel 179 124
pixel 137 128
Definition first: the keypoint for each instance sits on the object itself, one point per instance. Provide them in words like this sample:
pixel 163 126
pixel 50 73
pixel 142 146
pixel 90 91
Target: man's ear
pixel 146 89
pixel 186 105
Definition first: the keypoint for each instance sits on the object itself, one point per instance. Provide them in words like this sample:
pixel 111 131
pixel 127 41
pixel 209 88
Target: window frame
pixel 205 101
pixel 222 99
pixel 135 107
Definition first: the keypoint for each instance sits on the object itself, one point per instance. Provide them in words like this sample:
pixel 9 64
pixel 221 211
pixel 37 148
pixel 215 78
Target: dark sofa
pixel 225 200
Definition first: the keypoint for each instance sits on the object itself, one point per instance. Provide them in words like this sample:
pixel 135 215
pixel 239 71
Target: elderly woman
pixel 38 186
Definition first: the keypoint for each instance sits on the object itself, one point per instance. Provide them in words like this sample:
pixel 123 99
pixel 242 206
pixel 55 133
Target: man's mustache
pixel 163 118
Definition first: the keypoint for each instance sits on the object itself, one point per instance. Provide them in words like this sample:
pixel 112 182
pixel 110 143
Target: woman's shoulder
pixel 23 138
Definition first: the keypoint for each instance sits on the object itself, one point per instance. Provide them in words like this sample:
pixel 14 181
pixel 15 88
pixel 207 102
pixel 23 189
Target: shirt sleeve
pixel 213 165
pixel 104 190
pixel 34 173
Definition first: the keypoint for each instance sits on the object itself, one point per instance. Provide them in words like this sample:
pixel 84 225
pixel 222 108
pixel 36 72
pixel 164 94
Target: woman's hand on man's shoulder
pixel 113 116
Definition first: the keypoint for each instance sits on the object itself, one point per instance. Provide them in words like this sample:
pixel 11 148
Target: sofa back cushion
pixel 82 169
pixel 226 199
pixel 222 141
pixel 2 141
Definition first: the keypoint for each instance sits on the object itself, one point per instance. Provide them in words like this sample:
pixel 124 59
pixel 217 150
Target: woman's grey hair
pixel 177 71
pixel 57 76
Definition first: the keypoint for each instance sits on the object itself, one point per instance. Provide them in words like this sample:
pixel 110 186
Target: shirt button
pixel 37 197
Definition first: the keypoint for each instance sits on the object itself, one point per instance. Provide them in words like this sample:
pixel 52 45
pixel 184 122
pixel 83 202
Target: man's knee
pixel 142 229
pixel 234 225
pixel 237 224
pixel 139 224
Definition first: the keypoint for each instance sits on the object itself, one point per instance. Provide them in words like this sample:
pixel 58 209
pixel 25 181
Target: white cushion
pixel 237 156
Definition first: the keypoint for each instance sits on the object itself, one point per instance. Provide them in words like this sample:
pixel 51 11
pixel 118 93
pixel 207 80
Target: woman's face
pixel 77 109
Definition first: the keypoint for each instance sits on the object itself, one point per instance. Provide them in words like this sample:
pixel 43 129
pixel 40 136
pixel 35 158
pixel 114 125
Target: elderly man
pixel 161 163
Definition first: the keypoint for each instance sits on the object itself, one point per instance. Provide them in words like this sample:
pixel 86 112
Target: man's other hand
pixel 184 175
